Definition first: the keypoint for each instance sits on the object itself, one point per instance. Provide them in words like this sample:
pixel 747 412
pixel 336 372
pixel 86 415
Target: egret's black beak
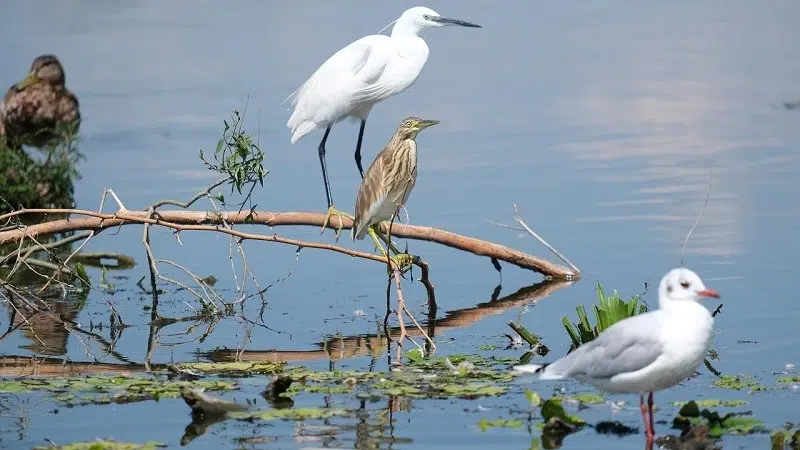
pixel 446 21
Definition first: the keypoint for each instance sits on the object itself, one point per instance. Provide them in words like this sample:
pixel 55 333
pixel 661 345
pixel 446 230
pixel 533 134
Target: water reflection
pixel 375 345
pixel 332 349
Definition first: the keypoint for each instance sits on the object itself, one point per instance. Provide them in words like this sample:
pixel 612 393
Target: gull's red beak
pixel 708 293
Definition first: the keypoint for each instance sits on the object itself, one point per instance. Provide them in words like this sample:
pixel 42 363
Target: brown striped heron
pixel 388 182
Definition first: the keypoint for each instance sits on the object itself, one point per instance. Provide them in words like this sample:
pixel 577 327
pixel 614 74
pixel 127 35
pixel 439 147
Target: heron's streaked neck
pixel 404 27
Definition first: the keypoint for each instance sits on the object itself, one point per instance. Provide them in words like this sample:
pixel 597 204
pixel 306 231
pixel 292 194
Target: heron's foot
pixel 339 214
pixel 403 261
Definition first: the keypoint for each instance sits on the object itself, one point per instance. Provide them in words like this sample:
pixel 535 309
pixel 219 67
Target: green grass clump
pixel 608 311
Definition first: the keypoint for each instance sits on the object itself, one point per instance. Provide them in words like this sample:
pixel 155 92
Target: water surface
pixel 604 123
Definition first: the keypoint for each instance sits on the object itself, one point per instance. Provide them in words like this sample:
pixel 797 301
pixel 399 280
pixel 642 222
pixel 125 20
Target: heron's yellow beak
pixel 427 123
pixel 30 80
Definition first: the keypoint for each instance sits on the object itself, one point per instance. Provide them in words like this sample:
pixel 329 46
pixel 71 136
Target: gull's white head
pixel 682 284
pixel 413 20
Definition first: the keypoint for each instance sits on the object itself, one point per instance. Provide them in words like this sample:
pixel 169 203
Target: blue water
pixel 605 124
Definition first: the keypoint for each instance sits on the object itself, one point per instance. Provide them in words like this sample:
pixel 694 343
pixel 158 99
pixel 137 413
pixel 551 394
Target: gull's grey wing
pixel 627 346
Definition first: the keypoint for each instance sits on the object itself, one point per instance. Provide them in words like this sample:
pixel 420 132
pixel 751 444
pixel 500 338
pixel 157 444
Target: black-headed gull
pixel 648 352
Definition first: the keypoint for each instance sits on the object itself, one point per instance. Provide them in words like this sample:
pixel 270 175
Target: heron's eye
pixel 426 17
pixel 684 284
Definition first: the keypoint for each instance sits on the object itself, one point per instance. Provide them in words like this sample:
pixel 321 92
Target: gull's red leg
pixel 650 407
pixel 643 409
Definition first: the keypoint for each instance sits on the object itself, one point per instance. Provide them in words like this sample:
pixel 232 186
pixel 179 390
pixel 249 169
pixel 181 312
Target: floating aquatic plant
pixel 105 445
pixel 739 382
pixel 485 424
pixel 690 415
pixel 714 403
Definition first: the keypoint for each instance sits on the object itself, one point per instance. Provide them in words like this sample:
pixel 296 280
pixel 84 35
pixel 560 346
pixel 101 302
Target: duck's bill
pixel 461 23
pixel 30 80
pixel 708 293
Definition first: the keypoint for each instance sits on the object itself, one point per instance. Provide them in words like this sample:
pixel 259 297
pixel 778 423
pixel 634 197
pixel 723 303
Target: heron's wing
pixel 627 346
pixel 372 194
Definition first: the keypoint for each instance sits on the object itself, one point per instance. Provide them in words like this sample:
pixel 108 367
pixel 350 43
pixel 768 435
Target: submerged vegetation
pixel 39 178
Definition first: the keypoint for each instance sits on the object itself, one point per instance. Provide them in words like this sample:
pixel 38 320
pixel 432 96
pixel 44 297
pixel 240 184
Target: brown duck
pixel 36 110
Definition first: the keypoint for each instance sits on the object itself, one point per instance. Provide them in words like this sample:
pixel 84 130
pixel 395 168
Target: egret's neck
pixel 405 27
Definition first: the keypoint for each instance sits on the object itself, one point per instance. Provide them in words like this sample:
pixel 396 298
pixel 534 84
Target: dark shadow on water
pixel 373 345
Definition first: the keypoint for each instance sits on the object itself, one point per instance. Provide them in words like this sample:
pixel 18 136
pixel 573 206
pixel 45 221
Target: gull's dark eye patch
pixel 669 288
pixel 684 284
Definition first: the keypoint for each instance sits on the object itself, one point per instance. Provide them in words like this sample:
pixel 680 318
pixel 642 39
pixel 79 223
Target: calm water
pixel 602 122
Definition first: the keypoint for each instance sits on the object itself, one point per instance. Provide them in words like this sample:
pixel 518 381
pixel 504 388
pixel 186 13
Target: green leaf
pixel 485 424
pixel 81 272
pixel 533 397
pixel 415 355
pixel 690 409
pixel 552 408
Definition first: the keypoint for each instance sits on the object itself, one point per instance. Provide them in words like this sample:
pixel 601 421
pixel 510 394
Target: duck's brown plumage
pixel 34 108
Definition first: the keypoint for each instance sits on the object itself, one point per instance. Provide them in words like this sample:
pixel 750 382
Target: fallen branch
pixel 205 221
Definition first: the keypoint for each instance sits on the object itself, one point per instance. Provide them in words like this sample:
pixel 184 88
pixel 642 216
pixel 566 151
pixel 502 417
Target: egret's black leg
pixel 358 148
pixel 325 167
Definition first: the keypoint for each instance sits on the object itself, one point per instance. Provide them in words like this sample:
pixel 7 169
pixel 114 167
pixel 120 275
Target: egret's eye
pixel 426 17
pixel 684 284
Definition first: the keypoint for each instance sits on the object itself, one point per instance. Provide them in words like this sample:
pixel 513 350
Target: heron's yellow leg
pixel 374 235
pixel 401 259
pixel 333 211
pixel 386 240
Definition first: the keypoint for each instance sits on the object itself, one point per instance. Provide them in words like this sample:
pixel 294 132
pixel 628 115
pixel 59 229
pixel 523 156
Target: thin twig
pixel 524 225
pixel 699 215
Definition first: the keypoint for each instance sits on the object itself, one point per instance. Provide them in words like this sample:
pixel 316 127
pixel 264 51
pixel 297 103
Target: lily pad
pixel 485 424
pixel 291 414
pixel 117 389
pixel 106 445
pixel 794 379
pixel 714 403
pixel 739 382
pixel 235 369
pixel 586 399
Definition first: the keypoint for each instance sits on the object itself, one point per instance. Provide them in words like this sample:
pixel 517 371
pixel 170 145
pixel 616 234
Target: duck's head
pixel 45 69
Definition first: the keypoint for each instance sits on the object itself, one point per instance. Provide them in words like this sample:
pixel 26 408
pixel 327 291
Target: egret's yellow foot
pixel 333 211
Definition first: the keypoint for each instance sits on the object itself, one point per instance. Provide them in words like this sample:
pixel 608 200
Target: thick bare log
pixel 210 221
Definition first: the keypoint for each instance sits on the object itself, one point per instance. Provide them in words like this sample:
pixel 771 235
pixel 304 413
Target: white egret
pixel 648 352
pixel 356 77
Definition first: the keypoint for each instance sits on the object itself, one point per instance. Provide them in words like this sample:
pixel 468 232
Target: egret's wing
pixel 362 62
pixel 627 346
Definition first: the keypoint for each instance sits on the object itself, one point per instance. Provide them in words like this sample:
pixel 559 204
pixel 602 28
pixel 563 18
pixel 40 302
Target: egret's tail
pixel 302 129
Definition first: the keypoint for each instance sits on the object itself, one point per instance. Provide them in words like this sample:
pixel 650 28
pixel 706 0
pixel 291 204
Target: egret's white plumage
pixel 648 352
pixel 371 69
